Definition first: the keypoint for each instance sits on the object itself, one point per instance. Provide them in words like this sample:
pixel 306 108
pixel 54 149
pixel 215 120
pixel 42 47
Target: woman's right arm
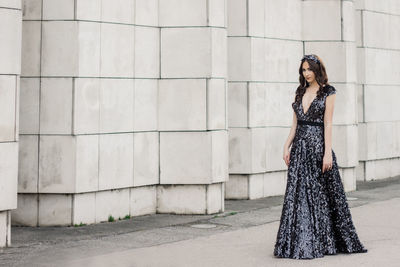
pixel 289 140
pixel 292 133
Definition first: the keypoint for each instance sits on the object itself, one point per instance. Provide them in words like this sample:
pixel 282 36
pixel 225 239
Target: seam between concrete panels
pixel 247 19
pixel 40 97
pixel 207 12
pixel 265 37
pixel 73 106
pixel 380 12
pixel 75 9
pixel 380 48
pixel 362 28
pixel 341 20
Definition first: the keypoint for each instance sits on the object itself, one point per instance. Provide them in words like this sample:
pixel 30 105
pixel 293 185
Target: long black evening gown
pixel 315 218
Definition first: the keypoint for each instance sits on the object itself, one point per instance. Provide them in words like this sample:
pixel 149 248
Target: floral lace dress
pixel 315 217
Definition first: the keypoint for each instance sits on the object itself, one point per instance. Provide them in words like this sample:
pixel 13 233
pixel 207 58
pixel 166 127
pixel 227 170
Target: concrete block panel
pixel 239 59
pixel 60 48
pixel 217 13
pixel 247 150
pixel 193 52
pixel 113 203
pixel 86 105
pixel 378 169
pixel 26 213
pixel 143 200
pixel 145 117
pixel 389 6
pixel 237 17
pixel 8 107
pixel 361 67
pixel 56 105
pixel 256 186
pixel 32 9
pixel 256 17
pixel 88 10
pixel 380 59
pixel 279 99
pixel 89 48
pixel 360 103
pixel 145 158
pixel 8 174
pixel 277 66
pixel 58 9
pixel 360 171
pixel 219 52
pixel 220 154
pixel 10 45
pixel 381 103
pixel 57 158
pixel 240 150
pixel 237 187
pixel 321 20
pixel 216 104
pixel 381 30
pixel 183 12
pixel 185 157
pixel 117 53
pixel 345 145
pixel 348 21
pixel 367 141
pixel 215 198
pixel 345 110
pixel 84 208
pixel 275 183
pixel 237 104
pixel 182 104
pixel 116 161
pixel 147 52
pixel 116 105
pixel 146 12
pixel 119 11
pixel 181 199
pixel 28 160
pixel 339 59
pixel 258 63
pixel 348 176
pixel 29 106
pixel 275 139
pixel 283 19
pixel 55 209
pixel 257 104
pixel 5 228
pixel 30 52
pixel 87 163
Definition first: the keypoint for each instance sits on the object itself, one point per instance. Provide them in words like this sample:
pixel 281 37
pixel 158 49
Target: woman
pixel 315 218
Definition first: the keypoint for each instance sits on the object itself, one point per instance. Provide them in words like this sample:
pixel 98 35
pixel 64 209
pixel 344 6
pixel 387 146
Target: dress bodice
pixel 316 110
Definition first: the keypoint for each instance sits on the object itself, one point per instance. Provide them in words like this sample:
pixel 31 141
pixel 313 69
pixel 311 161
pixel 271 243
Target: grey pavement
pixel 243 235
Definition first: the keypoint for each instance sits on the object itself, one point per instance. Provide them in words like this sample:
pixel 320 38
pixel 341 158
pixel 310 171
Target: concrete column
pixel 192 106
pixel 378 86
pixel 10 70
pixel 329 31
pixel 264 44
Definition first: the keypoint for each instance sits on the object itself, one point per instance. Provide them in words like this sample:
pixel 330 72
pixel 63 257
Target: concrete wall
pixel 123 110
pixel 126 105
pixel 10 70
pixel 378 57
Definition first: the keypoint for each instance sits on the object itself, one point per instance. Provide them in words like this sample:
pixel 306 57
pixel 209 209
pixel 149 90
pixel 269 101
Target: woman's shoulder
pixel 329 89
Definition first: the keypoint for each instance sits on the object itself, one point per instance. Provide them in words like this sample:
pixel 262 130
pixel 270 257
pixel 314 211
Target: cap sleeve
pixel 331 90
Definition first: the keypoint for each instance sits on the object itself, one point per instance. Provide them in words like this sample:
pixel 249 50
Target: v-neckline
pixel 302 107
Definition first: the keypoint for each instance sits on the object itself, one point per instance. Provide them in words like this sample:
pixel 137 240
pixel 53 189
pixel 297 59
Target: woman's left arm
pixel 329 107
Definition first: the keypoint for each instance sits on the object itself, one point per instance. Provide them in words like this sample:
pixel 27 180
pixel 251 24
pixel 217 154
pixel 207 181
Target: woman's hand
pixel 286 155
pixel 327 162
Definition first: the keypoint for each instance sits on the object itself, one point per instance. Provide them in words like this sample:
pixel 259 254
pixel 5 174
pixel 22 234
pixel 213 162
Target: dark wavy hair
pixel 320 76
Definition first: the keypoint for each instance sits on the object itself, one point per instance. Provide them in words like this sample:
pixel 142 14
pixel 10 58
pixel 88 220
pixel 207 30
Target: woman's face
pixel 308 74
